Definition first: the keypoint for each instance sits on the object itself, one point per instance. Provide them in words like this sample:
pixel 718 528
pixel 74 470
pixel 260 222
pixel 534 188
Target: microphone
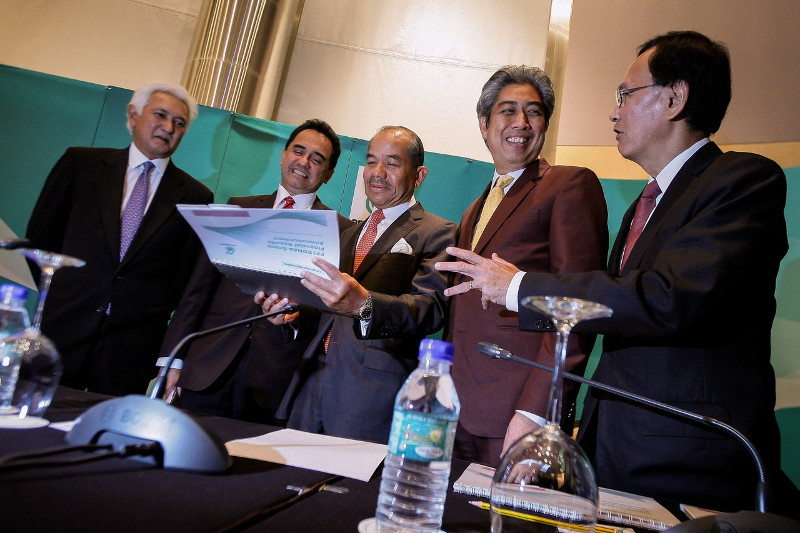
pixel 185 443
pixel 762 488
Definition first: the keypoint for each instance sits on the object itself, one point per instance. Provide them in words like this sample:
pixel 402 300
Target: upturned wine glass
pixel 544 481
pixel 39 361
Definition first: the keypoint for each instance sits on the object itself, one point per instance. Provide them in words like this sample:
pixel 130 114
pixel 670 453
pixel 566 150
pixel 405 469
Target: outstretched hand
pixel 341 292
pixel 490 276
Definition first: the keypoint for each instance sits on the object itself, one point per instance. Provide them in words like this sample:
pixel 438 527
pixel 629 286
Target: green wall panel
pixel 236 155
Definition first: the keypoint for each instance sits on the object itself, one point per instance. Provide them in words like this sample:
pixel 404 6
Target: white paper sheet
pixel 345 457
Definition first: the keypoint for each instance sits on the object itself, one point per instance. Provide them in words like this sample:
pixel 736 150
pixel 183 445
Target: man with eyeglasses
pixel 697 253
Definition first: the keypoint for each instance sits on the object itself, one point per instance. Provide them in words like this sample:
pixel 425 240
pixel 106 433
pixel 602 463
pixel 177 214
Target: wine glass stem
pixel 556 390
pixel 44 286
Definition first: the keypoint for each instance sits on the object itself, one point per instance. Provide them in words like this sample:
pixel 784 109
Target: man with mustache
pixel 243 372
pixel 549 218
pixel 387 297
pixel 115 209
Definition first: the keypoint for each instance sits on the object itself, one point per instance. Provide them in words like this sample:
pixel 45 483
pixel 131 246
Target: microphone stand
pixel 185 444
pixel 161 380
pixel 762 488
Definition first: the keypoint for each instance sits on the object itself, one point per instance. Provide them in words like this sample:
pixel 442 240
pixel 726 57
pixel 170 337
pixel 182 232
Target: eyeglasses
pixel 620 94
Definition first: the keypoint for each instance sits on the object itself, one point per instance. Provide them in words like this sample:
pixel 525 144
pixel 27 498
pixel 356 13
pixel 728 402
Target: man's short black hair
pixel 325 129
pixel 703 64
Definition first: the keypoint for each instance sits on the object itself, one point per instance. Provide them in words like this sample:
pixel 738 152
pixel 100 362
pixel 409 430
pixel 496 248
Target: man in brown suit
pixel 549 218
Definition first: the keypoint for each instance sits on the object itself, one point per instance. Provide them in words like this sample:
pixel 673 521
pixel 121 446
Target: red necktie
pixel 288 202
pixel 645 206
pixel 368 239
pixel 363 248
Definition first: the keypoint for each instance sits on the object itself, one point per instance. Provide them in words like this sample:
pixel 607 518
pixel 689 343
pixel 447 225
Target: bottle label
pixel 420 437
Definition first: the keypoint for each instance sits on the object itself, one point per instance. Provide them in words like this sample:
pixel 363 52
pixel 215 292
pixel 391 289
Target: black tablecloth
pixel 122 495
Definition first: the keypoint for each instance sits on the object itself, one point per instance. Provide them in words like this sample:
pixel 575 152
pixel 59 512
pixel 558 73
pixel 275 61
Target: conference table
pixel 128 495
pixel 121 495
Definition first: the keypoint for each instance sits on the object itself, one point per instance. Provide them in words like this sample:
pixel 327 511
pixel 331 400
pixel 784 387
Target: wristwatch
pixel 365 311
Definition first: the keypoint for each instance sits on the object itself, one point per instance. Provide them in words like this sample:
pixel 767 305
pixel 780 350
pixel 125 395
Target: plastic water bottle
pixel 417 469
pixel 13 320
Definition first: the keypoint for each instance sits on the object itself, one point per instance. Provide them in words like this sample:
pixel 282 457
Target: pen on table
pixel 548 521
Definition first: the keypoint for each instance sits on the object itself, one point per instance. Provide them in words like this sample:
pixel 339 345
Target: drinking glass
pixel 544 481
pixel 40 363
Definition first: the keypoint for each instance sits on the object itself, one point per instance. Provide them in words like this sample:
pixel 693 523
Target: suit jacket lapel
pixel 681 187
pixel 170 191
pixel 516 194
pixel 110 181
pixel 401 227
pixel 348 247
pixel 264 201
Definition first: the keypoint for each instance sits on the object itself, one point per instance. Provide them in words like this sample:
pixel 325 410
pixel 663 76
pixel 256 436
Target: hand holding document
pixel 266 249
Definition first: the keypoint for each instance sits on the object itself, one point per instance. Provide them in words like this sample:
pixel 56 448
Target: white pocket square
pixel 401 247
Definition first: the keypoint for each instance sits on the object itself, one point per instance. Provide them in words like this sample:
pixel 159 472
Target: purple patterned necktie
pixel 134 209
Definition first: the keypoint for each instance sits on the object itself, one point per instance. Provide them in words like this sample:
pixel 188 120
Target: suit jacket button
pixel 100 310
pixel 248 326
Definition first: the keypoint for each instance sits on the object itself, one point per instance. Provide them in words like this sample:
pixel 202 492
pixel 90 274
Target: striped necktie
pixel 363 248
pixel 134 209
pixel 494 198
pixel 645 206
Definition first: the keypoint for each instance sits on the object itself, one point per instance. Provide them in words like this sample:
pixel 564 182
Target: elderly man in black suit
pixel 243 372
pixel 387 297
pixel 115 209
pixel 697 252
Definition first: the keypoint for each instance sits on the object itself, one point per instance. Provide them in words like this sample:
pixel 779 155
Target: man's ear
pixel 483 124
pixel 422 173
pixel 678 98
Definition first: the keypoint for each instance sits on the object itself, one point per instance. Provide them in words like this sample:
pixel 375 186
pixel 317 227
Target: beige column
pixel 239 51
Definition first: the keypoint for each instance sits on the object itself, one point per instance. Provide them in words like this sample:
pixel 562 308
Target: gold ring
pixel 469 286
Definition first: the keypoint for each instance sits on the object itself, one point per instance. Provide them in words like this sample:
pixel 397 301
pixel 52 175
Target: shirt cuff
pixel 536 418
pixel 512 294
pixel 176 364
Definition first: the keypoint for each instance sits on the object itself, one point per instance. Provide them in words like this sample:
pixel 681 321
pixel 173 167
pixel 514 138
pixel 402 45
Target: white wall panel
pixel 362 64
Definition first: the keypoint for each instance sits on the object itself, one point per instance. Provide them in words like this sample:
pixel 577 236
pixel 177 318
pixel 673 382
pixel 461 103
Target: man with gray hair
pixel 550 218
pixel 115 209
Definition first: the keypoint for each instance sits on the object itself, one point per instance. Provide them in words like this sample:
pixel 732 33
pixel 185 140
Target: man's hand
pixel 519 426
pixel 171 386
pixel 272 303
pixel 490 276
pixel 341 293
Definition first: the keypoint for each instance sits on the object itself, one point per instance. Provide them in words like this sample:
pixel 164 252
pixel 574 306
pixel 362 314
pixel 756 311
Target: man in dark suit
pixel 387 298
pixel 550 219
pixel 243 372
pixel 115 209
pixel 707 256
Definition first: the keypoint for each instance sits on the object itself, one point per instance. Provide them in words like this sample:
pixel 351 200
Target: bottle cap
pixel 9 291
pixel 436 349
